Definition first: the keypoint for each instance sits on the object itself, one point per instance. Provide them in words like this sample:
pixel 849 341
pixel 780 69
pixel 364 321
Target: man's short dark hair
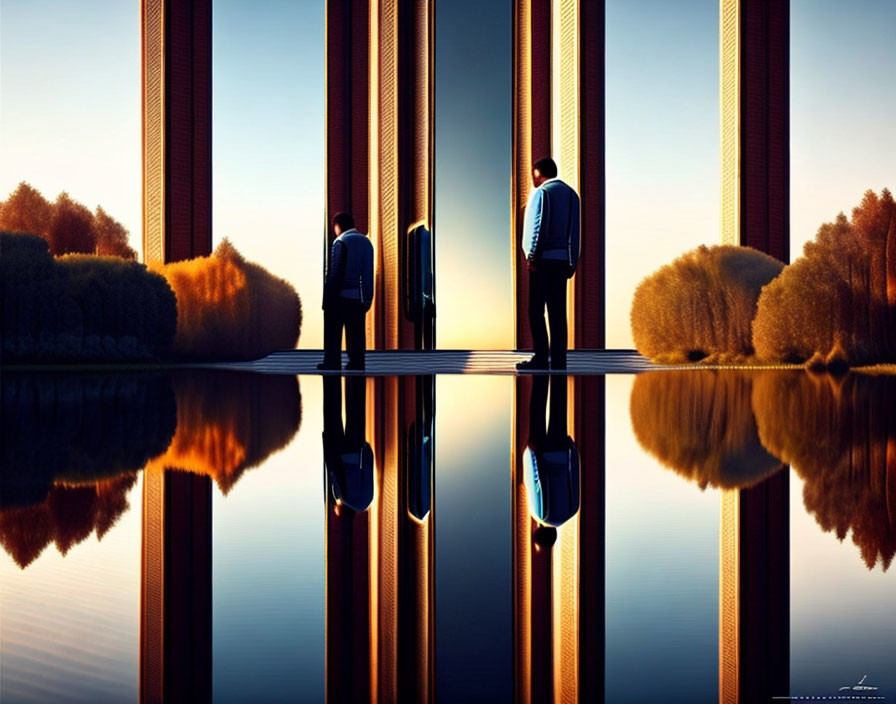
pixel 344 220
pixel 546 167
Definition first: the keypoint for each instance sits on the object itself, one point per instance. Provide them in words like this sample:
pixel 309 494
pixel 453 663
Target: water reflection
pixel 558 526
pixel 380 539
pixel 72 444
pixel 731 430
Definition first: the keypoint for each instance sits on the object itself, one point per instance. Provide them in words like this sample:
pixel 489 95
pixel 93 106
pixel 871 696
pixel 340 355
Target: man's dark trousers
pixel 348 313
pixel 547 287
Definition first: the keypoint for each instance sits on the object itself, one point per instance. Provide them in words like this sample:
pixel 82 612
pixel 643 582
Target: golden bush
pixel 701 306
pixel 229 308
pixel 836 304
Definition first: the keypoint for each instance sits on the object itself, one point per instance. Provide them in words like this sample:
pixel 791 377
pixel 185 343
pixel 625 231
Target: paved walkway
pixel 388 363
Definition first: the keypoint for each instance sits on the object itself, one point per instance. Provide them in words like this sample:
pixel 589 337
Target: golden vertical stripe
pixel 153 38
pixel 729 596
pixel 729 97
pixel 565 597
pixel 152 597
pixel 520 179
pixel 565 122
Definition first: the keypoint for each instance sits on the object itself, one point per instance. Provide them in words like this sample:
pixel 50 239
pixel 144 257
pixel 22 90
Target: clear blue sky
pixel 70 119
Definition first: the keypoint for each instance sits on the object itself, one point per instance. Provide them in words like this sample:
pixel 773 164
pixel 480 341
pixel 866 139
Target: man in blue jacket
pixel 348 294
pixel 551 245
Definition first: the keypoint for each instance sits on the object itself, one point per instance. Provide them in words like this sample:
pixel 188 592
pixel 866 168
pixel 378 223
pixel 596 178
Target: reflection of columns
pixel 401 113
pixel 403 573
pixel 558 572
pixel 558 110
pixel 177 99
pixel 175 603
pixel 380 569
pixel 754 566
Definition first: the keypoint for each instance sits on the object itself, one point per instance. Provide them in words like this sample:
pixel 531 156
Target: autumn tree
pixel 67 225
pixel 111 236
pixel 71 228
pixel 26 210
pixel 836 304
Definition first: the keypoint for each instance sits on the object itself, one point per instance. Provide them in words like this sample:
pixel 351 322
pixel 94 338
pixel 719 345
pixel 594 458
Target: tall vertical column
pixel 531 134
pixel 401 156
pixel 348 107
pixel 558 111
pixel 177 96
pixel 175 624
pixel 754 580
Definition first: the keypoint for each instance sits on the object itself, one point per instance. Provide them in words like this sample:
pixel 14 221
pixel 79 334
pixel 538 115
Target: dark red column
pixel 177 97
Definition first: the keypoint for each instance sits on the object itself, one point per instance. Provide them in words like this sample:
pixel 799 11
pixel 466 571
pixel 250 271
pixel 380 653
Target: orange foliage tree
pixel 67 225
pixel 836 304
pixel 701 306
pixel 230 308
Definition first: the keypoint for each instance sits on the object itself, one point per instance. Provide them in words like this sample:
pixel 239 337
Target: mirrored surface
pixel 218 536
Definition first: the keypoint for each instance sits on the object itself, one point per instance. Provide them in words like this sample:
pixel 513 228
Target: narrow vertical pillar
pixel 177 97
pixel 559 95
pixel 176 589
pixel 531 134
pixel 401 155
pixel 175 623
pixel 348 106
pixel 754 562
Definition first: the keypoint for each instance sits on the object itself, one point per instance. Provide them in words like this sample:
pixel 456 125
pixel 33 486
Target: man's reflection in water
pixel 347 454
pixel 379 539
pixel 349 478
pixel 551 462
pixel 547 545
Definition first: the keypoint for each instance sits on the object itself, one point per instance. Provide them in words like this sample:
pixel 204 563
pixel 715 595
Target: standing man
pixel 551 245
pixel 348 293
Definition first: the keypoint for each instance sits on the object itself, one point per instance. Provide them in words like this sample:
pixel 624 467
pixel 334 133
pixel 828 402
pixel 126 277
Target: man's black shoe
pixel 354 367
pixel 329 366
pixel 558 366
pixel 532 365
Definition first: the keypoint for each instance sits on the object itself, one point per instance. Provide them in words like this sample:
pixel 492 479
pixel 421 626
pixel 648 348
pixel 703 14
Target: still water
pixel 671 536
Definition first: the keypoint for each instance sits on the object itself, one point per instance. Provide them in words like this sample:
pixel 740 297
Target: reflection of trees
pixel 78 428
pixel 840 436
pixel 67 516
pixel 701 425
pixel 228 423
pixel 72 443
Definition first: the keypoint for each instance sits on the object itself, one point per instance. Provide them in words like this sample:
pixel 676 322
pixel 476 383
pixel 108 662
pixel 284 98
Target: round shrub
pixel 701 306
